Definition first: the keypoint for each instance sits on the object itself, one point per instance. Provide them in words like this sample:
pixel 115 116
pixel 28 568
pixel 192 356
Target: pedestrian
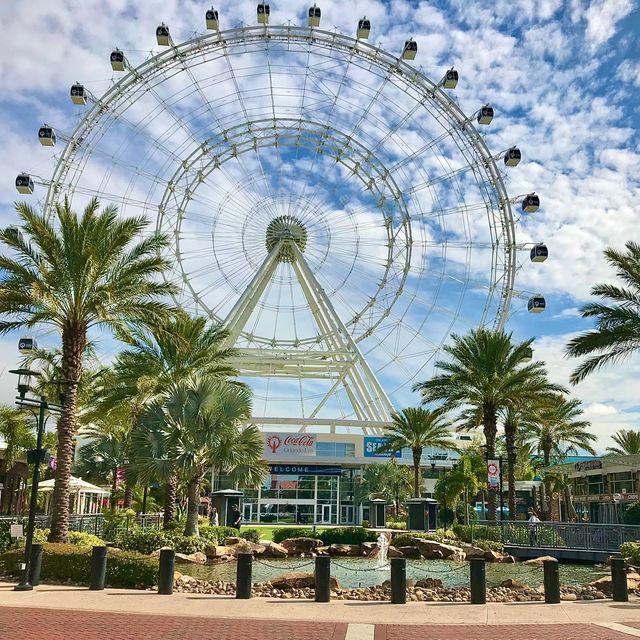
pixel 533 527
pixel 236 517
pixel 214 518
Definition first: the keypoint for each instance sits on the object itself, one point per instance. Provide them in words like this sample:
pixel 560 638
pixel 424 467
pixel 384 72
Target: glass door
pixel 247 515
pixel 325 513
pixel 347 513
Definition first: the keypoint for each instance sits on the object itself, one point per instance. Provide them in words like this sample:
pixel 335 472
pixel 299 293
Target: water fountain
pixel 383 547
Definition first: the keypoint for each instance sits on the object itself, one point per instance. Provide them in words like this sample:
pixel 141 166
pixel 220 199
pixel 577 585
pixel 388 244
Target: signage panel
pixel 493 475
pixel 588 465
pixel 305 470
pixel 289 445
pixel 372 444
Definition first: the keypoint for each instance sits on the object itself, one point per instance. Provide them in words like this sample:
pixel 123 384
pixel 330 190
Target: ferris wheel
pixel 328 201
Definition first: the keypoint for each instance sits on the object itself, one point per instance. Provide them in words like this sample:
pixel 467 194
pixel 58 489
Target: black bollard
pixel 478 580
pixel 551 582
pixel 165 579
pixel 398 581
pixel 98 568
pixel 243 576
pixel 35 564
pixel 618 580
pixel 323 579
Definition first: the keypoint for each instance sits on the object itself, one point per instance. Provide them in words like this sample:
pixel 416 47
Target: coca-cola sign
pixel 289 445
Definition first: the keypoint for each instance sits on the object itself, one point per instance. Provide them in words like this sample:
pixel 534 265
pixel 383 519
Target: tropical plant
pixel 197 427
pixel 461 483
pixel 76 273
pixel 627 441
pixel 617 332
pixel 17 429
pixel 157 359
pixel 486 372
pixel 417 428
pixel 390 481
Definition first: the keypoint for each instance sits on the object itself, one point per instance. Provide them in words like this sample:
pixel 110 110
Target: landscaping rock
pixel 605 584
pixel 514 584
pixel 429 583
pixel 275 550
pixel 392 552
pixel 492 556
pixel 298 546
pixel 345 550
pixel 300 580
pixel 410 552
pixel 194 558
pixel 432 549
pixel 473 552
pixel 230 541
pixel 219 551
pixel 507 560
pixel 537 562
pixel 368 548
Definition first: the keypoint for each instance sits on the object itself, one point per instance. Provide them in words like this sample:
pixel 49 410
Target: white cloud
pixel 602 19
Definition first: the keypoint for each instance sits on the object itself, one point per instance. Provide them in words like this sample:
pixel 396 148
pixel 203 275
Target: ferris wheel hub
pixel 286 230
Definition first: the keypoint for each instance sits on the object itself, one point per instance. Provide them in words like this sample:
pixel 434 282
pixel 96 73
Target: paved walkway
pixel 72 613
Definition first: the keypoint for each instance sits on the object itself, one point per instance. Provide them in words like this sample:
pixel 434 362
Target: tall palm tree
pixel 76 273
pixel 557 430
pixel 417 428
pixel 158 359
pixel 197 427
pixel 486 371
pixel 628 442
pixel 617 332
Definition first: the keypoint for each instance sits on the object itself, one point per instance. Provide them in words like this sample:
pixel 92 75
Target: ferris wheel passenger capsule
pixel 530 203
pixel 450 80
pixel 78 94
pixel 47 136
pixel 539 253
pixel 410 49
pixel 536 304
pixel 364 29
pixel 263 13
pixel 512 157
pixel 485 114
pixel 528 356
pixel 117 60
pixel 211 18
pixel 314 16
pixel 24 184
pixel 162 35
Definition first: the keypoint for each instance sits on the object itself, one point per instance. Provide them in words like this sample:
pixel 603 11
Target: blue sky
pixel 564 78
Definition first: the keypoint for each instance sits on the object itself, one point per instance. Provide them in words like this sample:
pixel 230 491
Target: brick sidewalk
pixel 26 624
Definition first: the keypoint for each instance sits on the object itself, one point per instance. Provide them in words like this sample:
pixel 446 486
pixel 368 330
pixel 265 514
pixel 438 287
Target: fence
pixel 561 535
pixel 95 522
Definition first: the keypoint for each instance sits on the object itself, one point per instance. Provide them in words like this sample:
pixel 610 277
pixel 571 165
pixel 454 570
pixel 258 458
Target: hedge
pixel 71 563
pixel 405 539
pixel 631 550
pixel 337 535
pixel 74 537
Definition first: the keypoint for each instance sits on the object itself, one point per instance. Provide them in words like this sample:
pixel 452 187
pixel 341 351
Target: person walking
pixel 214 518
pixel 533 527
pixel 236 517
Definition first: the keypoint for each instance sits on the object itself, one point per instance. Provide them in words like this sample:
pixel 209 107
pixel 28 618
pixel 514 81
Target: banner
pixel 372 444
pixel 289 445
pixel 493 475
pixel 305 470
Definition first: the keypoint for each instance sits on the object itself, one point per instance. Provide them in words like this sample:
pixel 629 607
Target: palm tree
pixel 417 428
pixel 77 273
pixel 18 432
pixel 158 359
pixel 617 332
pixel 461 482
pixel 628 442
pixel 390 481
pixel 556 431
pixel 194 428
pixel 486 372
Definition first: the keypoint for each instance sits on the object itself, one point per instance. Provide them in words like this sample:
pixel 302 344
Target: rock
pixel 300 580
pixel 387 583
pixel 369 548
pixel 473 552
pixel 219 551
pixel 194 558
pixel 492 556
pixel 230 541
pixel 537 562
pixel 245 546
pixel 514 584
pixel 392 552
pixel 275 550
pixel 507 560
pixel 428 548
pixel 429 583
pixel 298 546
pixel 605 584
pixel 410 552
pixel 345 550
pixel 568 597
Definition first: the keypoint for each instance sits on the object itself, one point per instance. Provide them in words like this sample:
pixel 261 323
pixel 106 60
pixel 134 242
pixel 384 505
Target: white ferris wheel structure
pixel 325 199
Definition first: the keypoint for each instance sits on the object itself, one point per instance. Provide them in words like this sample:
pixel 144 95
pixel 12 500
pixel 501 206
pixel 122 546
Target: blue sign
pixel 304 470
pixel 372 444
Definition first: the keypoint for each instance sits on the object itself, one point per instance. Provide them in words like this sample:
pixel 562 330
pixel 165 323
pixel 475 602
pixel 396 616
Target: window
pixel 596 484
pixel 621 482
pixel 336 449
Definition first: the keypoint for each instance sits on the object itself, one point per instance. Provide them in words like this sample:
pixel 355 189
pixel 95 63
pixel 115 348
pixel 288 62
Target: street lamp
pixel 34 456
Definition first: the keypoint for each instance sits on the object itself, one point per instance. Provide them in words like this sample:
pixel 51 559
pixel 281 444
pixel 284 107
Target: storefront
pixel 313 478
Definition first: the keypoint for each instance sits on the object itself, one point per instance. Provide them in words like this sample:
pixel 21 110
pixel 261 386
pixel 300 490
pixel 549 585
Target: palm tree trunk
pixel 490 428
pixel 417 454
pixel 114 488
pixel 74 342
pixel 193 502
pixel 128 495
pixel 510 438
pixel 546 486
pixel 170 490
pixel 571 509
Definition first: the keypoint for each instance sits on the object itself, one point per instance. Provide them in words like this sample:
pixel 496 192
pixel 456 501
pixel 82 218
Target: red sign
pixel 289 445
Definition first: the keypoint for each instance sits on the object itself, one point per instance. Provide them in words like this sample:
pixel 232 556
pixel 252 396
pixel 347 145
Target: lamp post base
pixel 24 584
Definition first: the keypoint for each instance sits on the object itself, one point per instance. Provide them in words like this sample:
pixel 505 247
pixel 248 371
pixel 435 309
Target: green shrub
pixel 489 545
pixel 72 563
pixel 398 525
pixel 188 544
pixel 346 535
pixel 252 535
pixel 75 537
pixel 631 550
pixel 292 532
pixel 143 541
pixel 632 514
pixel 472 533
pixel 366 524
pixel 406 539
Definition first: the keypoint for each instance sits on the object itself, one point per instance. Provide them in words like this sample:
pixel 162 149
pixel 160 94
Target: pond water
pixel 360 572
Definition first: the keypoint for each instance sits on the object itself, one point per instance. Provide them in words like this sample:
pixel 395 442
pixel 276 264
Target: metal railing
pixel 559 535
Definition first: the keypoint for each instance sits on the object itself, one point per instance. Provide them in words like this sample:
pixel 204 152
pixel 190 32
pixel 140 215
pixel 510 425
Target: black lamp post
pixel 34 456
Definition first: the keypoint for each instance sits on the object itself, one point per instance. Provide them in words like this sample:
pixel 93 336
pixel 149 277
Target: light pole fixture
pixel 34 456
